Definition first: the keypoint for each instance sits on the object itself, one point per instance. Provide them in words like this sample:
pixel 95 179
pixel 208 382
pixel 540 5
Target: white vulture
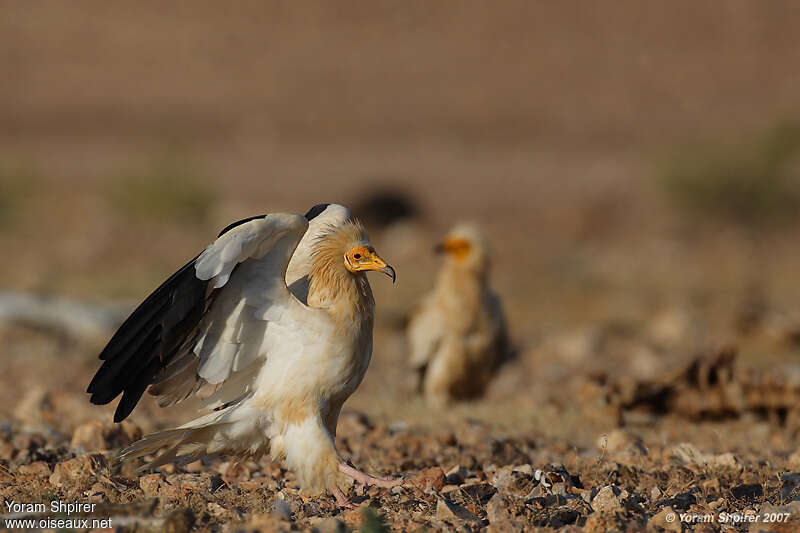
pixel 269 329
pixel 457 334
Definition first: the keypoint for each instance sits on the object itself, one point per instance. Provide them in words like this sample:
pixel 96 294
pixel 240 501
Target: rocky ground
pixel 712 440
pixel 465 480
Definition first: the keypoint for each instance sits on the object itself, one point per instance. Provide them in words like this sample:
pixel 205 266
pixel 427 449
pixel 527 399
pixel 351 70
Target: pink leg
pixel 366 479
pixel 341 499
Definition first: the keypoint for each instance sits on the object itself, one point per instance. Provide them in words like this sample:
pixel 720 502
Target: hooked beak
pixel 379 265
pixel 389 271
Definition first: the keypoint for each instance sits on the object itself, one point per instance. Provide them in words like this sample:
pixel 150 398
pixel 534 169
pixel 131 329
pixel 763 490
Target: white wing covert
pixel 199 325
pixel 260 252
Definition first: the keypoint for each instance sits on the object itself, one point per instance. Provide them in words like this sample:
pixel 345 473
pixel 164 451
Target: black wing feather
pixel 156 333
pixel 134 390
pixel 149 339
pixel 229 227
pixel 316 210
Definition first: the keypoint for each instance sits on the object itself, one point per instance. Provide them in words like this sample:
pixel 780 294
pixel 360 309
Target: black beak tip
pixel 389 271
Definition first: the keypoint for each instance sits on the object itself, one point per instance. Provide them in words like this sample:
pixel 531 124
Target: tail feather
pixel 185 445
pixel 230 430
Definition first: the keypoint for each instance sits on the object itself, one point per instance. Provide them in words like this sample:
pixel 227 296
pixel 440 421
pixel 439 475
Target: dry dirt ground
pixel 657 350
pixel 602 450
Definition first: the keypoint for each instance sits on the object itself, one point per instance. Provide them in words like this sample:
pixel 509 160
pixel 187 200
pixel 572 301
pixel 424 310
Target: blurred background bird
pixel 270 330
pixel 457 335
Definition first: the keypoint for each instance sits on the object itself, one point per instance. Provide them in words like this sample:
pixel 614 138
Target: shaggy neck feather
pixel 343 294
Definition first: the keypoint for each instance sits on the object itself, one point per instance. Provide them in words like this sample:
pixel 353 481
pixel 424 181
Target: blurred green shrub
pixel 753 183
pixel 372 521
pixel 168 190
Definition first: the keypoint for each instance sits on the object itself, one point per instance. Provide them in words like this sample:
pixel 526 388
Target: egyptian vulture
pixel 269 331
pixel 457 334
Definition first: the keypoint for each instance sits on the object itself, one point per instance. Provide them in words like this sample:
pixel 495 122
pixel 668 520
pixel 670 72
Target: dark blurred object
pixel 752 310
pixel 383 207
pixel 752 183
pixel 709 386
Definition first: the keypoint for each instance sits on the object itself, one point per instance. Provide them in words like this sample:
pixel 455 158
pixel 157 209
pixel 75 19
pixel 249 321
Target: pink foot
pixel 367 480
pixel 341 499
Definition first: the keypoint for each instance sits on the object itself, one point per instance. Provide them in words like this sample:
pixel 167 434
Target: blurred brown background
pixel 628 159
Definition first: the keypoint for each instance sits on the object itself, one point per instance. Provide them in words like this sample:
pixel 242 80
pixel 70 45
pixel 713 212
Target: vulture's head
pixel 349 245
pixel 466 247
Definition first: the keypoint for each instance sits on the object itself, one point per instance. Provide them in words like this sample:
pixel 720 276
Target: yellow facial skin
pixel 456 247
pixel 364 258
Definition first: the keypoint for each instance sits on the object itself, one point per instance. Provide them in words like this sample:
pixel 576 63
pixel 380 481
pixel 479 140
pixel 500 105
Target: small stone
pixel 498 509
pixel 78 470
pixel 328 525
pixel 37 468
pixel 604 522
pixel 792 478
pixel 430 478
pixel 687 454
pixel 456 475
pixel 525 470
pixel 719 502
pixel 655 494
pixel 282 508
pixel 194 483
pixel 614 441
pixel 790 486
pixel 449 511
pixel 753 490
pixel 727 460
pixel 479 492
pixel 194 467
pixel 681 501
pixel 508 481
pixel 666 519
pixel 88 437
pixel 7 451
pixel 608 500
pixel 449 488
pixel 505 526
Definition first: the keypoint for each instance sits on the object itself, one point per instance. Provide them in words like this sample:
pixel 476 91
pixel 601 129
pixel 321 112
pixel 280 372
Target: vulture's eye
pixel 357 256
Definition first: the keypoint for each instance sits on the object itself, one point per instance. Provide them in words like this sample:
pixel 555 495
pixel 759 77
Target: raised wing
pixel 166 339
